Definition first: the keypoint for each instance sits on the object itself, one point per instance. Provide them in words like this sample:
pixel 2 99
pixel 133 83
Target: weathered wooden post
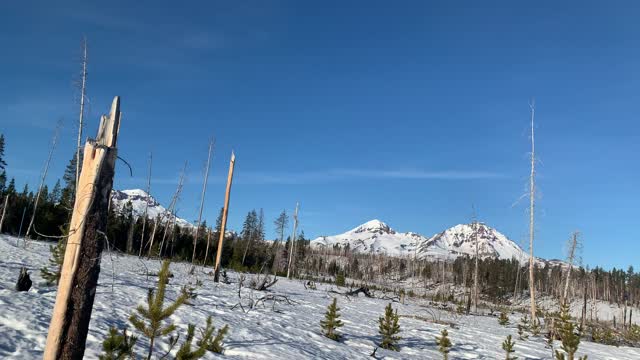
pixel 216 276
pixel 79 274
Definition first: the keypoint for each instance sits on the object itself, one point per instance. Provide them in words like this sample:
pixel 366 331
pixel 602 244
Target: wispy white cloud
pixel 332 175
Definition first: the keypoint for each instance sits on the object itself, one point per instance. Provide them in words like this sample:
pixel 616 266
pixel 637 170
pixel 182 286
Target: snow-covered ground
pixel 283 332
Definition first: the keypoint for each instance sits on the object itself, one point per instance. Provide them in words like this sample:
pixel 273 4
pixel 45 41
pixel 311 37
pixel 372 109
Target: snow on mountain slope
pixel 139 200
pixel 461 240
pixel 375 237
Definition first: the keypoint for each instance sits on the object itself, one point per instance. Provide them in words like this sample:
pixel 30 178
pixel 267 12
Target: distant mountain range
pixel 377 237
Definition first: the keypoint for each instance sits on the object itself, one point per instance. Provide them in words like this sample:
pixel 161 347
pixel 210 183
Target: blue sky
pixel 409 112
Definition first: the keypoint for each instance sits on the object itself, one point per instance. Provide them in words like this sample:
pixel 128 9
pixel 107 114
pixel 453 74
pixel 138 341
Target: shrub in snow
pixel 503 319
pixel 118 346
pixel 389 329
pixel 331 321
pixel 523 327
pixel 444 344
pixel 206 343
pixel 340 280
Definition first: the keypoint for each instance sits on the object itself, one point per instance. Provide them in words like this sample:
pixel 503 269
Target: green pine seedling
pixel 118 346
pixel 331 321
pixel 570 340
pixel 153 320
pixel 508 346
pixel 389 329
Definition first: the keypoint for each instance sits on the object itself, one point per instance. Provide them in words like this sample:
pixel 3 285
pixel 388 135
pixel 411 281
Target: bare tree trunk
pixel 153 235
pixel 532 283
pixel 584 306
pixel 475 272
pixel 206 252
pixel 79 274
pixel 225 212
pixel 204 191
pixel 54 142
pixel 146 206
pixel 293 241
pixel 246 248
pixel 172 211
pixel 82 96
pixel 130 233
pixel 572 250
pixel 4 211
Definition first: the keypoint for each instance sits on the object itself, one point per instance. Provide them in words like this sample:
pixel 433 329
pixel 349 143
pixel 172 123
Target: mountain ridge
pixel 377 237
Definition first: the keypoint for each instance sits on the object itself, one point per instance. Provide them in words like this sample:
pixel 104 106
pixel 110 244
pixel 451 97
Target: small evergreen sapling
pixel 331 321
pixel 507 346
pixel 153 320
pixel 523 327
pixel 216 344
pixel 444 344
pixel 340 279
pixel 389 329
pixel 503 319
pixel 535 327
pixel 118 346
pixel 206 343
pixel 55 262
pixel 570 340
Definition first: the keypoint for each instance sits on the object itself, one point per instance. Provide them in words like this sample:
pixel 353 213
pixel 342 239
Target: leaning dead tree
pixel 4 210
pixel 532 189
pixel 204 191
pixel 171 217
pixel 81 268
pixel 170 211
pixel 225 212
pixel 293 241
pixel 83 84
pixel 45 170
pixel 146 205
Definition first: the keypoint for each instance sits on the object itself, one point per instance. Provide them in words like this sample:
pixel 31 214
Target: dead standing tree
pixel 79 274
pixel 532 190
pixel 54 142
pixel 225 212
pixel 573 245
pixel 82 85
pixel 146 206
pixel 204 191
pixel 293 241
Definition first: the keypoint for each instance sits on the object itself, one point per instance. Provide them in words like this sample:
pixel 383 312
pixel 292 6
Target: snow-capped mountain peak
pixel 141 201
pixel 461 240
pixel 373 236
pixel 374 226
pixel 377 237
